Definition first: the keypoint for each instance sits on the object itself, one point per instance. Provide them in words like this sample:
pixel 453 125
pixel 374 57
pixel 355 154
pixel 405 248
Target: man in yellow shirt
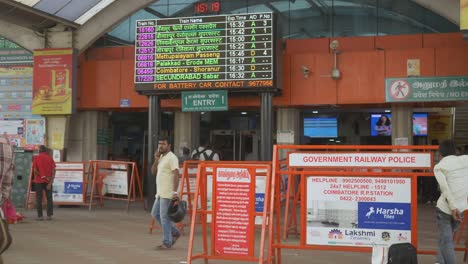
pixel 166 170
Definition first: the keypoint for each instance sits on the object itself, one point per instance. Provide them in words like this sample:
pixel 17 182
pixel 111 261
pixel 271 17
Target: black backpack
pixel 403 253
pixel 196 155
pixel 210 157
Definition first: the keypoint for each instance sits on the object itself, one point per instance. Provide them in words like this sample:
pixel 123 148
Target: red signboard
pixel 53 81
pixel 234 202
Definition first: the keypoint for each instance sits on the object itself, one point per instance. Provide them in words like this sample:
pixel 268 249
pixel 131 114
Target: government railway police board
pixel 234 52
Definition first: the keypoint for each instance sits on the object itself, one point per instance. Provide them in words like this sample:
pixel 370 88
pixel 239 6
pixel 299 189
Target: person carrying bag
pixel 7 171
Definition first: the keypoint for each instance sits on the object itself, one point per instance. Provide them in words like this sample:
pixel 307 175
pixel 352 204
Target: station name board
pixel 200 53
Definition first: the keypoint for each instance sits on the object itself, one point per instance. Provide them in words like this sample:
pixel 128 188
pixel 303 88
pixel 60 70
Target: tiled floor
pixel 110 235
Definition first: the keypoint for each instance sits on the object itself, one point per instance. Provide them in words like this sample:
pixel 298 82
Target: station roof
pixel 73 11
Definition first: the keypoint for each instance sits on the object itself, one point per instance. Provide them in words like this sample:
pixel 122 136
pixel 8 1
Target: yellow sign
pixel 464 14
pixel 440 127
pixel 57 140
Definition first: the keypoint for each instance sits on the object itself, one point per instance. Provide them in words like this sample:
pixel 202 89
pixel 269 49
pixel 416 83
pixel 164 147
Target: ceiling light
pixel 387 111
pixel 243 113
pixel 314 112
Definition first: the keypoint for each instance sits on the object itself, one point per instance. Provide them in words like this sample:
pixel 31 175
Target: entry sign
pixel 204 101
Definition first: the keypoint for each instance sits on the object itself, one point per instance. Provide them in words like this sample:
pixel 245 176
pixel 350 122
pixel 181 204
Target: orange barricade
pixel 227 192
pixel 187 189
pixel 69 187
pixel 348 198
pixel 115 180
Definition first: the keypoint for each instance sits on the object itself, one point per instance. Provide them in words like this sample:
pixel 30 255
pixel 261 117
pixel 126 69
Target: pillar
pixel 186 131
pixel 154 126
pixel 402 123
pixel 266 126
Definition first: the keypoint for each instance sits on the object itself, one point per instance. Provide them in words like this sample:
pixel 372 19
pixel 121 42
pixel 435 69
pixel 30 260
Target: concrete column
pixel 287 119
pixel 154 127
pixel 266 126
pixel 186 131
pixel 402 123
pixel 82 137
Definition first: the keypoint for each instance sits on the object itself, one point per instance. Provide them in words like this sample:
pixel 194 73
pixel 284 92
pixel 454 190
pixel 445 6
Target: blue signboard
pixel 259 202
pixel 390 216
pixel 73 188
pixel 124 102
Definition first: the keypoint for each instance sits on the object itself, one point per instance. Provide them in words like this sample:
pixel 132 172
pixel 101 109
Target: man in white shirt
pixel 166 170
pixel 452 175
pixel 204 152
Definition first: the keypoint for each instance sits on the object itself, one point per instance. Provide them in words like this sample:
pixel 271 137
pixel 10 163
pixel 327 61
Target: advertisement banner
pixel 232 215
pixel 15 91
pixel 358 211
pixel 386 160
pixel 464 15
pixel 116 182
pixel 68 183
pixel 54 71
pixel 35 132
pixel 428 89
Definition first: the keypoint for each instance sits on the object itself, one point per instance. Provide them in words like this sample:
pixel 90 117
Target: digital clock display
pixel 207 8
pixel 210 52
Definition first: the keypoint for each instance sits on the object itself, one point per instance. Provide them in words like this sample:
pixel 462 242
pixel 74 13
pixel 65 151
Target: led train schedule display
pixel 212 52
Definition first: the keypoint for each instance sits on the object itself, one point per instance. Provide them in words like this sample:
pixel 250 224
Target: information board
pixel 358 211
pixel 233 204
pixel 213 52
pixel 69 183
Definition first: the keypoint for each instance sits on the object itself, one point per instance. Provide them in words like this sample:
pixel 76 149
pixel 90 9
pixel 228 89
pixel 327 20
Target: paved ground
pixel 109 235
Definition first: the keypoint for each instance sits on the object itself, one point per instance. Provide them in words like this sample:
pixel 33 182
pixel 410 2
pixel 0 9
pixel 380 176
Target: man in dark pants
pixel 44 173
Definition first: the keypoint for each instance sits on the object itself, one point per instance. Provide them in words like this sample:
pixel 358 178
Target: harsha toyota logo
pixel 335 234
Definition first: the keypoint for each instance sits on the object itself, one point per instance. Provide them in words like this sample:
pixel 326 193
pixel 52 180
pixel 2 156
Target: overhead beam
pixel 105 20
pixel 154 12
pixel 450 9
pixel 24 37
pixel 40 13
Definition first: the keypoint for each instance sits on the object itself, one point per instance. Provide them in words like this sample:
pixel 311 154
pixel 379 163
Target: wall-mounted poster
pixel 35 131
pixel 15 91
pixel 53 81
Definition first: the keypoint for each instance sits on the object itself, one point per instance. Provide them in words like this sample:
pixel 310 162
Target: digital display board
pixel 234 52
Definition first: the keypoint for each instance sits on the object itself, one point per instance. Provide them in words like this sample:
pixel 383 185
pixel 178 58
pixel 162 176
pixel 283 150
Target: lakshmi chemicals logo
pixel 335 234
pixel 396 216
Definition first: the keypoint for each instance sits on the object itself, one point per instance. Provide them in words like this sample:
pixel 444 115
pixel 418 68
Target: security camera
pixel 305 71
pixel 334 45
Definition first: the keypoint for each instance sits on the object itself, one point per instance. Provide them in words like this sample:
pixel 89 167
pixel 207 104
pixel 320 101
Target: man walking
pixel 452 175
pixel 44 173
pixel 166 170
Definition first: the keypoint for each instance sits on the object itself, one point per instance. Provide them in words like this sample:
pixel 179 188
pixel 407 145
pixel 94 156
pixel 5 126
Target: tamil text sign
pixel 204 101
pixel 387 160
pixel 232 219
pixel 432 89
